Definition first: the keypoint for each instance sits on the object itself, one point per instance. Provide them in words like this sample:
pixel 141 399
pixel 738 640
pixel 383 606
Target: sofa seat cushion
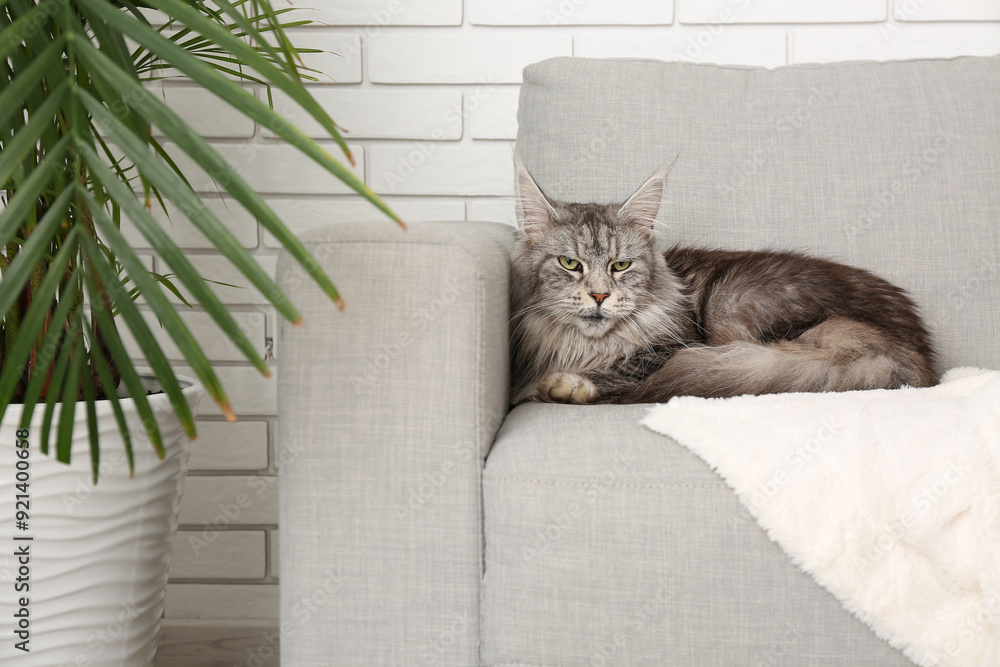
pixel 609 544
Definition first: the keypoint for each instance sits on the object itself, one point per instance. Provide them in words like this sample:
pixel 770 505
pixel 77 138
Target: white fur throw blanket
pixel 889 499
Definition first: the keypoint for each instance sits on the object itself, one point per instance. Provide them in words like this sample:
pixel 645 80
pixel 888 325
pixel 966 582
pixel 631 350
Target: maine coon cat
pixel 601 316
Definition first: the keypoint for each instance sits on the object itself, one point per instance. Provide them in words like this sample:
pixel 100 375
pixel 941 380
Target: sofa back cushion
pixel 894 167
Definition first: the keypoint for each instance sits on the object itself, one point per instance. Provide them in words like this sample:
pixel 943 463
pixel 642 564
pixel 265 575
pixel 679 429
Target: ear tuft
pixel 536 210
pixel 644 205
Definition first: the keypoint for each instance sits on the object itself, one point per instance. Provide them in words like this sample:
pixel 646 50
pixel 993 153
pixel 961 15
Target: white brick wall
pixel 456 55
pixel 426 92
pixel 947 10
pixel 570 12
pixel 764 46
pixel 781 11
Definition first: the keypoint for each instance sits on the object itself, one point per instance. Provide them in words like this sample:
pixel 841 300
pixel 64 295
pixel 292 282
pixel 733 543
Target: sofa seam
pixel 596 480
pixel 480 460
pixel 751 68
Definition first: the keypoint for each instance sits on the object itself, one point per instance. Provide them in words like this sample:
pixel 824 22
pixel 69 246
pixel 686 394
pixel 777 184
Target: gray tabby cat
pixel 600 316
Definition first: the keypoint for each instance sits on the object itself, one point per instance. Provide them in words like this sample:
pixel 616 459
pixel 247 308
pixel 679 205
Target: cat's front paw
pixel 565 387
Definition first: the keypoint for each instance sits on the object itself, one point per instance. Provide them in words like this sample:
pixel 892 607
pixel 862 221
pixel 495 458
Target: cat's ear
pixel 535 206
pixel 643 206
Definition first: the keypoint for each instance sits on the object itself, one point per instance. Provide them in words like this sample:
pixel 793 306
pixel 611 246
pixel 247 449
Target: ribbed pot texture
pixel 83 578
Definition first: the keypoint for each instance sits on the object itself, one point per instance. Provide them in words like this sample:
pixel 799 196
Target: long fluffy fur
pixel 693 321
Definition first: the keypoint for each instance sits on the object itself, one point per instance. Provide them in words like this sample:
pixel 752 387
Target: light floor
pixel 192 643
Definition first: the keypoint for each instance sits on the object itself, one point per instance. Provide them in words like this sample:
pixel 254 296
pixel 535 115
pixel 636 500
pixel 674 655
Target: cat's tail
pixel 836 355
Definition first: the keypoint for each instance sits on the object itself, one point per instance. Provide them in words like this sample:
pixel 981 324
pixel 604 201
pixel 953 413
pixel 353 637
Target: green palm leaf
pixel 67 75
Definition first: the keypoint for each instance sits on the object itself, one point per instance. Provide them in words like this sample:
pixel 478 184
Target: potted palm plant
pixel 77 155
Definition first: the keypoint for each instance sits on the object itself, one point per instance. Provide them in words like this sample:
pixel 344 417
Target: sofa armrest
pixel 386 412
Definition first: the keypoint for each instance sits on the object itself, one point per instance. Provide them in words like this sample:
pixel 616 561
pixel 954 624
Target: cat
pixel 599 315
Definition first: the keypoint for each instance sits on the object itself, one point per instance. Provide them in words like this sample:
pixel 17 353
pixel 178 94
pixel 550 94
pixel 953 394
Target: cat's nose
pixel 599 297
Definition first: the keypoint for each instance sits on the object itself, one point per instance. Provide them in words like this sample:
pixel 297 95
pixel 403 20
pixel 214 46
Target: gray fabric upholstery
pixel 607 543
pixel 889 166
pixel 387 410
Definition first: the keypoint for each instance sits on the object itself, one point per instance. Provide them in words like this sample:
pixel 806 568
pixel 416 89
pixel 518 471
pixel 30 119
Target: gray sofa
pixel 425 523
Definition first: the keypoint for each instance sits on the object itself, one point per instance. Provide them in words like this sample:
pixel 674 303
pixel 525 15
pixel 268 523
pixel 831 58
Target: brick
pixel 155 17
pixel 218 268
pixel 305 213
pixel 894 42
pixel 222 601
pixel 722 44
pixel 570 12
pixel 270 166
pixel 212 554
pixel 339 60
pixel 492 115
pixel 206 113
pixel 238 445
pixel 781 11
pixel 224 501
pixel 275 564
pixel 378 14
pixel 380 114
pixel 249 392
pixel 947 10
pixel 236 219
pixel 176 76
pixel 492 209
pixel 442 169
pixel 213 342
pixel 218 346
pixel 485 55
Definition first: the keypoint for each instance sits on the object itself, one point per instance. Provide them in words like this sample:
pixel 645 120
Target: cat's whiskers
pixel 537 305
pixel 647 344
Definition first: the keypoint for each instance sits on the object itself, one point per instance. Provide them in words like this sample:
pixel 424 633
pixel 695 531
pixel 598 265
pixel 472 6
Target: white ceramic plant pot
pixel 90 591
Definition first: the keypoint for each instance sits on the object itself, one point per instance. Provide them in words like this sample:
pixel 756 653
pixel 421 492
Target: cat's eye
pixel 621 266
pixel 569 264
